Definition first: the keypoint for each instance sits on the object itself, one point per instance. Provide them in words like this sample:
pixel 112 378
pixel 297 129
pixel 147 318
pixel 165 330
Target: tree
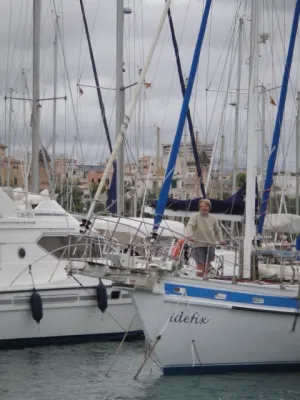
pixel 100 207
pixel 241 179
pixel 93 189
pixel 226 195
pixel 70 193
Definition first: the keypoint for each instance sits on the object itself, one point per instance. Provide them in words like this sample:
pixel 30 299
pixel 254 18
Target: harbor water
pixel 77 372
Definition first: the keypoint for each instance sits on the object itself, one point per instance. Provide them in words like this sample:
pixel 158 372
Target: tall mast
pixel 184 166
pixel 264 146
pixel 9 137
pixel 137 151
pixel 157 159
pixel 36 95
pixel 120 102
pixel 221 174
pixel 52 174
pixel 237 106
pixel 213 155
pixel 25 133
pixel 297 152
pixel 252 139
pixel 263 131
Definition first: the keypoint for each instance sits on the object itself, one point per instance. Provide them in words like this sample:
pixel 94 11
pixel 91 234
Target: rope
pixel 107 312
pixel 120 345
pixel 30 273
pixel 190 329
pixel 151 348
pixel 147 356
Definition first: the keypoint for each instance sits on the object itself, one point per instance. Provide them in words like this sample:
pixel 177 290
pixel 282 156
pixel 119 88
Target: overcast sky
pixel 162 102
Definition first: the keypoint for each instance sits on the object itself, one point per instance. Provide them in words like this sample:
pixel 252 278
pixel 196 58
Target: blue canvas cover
pixel 235 205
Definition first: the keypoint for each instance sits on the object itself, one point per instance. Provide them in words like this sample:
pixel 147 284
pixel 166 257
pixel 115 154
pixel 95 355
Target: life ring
pixel 176 249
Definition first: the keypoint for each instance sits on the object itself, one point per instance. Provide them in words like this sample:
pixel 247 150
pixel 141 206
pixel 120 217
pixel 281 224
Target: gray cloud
pixel 163 100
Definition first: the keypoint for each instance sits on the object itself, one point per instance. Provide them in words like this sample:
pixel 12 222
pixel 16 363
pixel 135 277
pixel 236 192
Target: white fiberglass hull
pixel 210 327
pixel 70 314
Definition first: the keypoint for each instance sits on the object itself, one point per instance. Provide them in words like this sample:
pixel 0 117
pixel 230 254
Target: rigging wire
pixel 174 68
pixel 69 84
pixel 8 53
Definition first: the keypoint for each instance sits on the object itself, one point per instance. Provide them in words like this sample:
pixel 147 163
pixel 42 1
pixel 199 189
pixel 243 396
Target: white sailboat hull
pixel 69 315
pixel 208 332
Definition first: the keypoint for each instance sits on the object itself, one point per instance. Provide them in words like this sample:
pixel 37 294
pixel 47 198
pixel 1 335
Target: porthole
pixel 115 295
pixel 21 252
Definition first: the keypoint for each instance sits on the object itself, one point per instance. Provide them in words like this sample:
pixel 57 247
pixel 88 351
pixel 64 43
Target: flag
pixel 272 101
pixel 80 91
pixel 147 85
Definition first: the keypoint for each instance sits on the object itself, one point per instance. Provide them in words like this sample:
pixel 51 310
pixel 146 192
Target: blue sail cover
pixel 235 205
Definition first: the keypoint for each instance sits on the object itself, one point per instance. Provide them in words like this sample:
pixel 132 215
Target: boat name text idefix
pixel 195 318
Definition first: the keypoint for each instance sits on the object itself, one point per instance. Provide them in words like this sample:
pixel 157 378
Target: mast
pixel 263 131
pixel 221 174
pixel 252 140
pixel 137 151
pixel 52 174
pixel 74 160
pixel 279 118
pixel 264 147
pixel 297 152
pixel 25 133
pixel 9 137
pixel 128 113
pixel 36 95
pixel 213 155
pixel 157 158
pixel 237 106
pixel 120 101
pixel 184 169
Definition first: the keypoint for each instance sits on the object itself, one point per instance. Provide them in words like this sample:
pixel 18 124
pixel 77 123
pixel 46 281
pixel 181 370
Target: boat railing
pixel 168 246
pixel 136 228
pixel 169 249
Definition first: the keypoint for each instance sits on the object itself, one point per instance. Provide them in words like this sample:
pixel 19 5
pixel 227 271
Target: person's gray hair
pixel 205 201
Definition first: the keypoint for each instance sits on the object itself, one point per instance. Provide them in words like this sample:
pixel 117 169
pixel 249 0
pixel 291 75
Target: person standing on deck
pixel 203 230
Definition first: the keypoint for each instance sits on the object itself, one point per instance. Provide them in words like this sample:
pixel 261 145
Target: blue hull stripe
pixel 234 297
pixel 55 340
pixel 228 368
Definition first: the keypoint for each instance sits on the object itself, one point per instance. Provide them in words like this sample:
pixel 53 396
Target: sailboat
pixel 35 235
pixel 200 325
pixel 34 255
